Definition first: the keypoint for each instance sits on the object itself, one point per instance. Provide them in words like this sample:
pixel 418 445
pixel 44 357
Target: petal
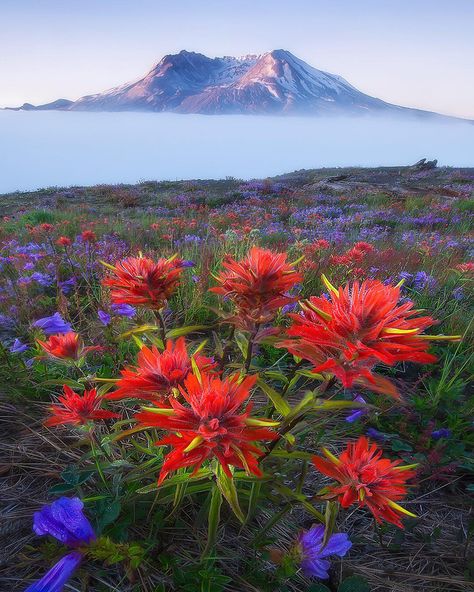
pixel 317 568
pixel 58 575
pixel 338 544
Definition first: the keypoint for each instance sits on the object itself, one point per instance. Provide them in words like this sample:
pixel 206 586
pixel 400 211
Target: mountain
pixel 273 83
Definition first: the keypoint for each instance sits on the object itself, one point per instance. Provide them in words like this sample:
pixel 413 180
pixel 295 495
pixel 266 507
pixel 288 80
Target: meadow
pixel 239 385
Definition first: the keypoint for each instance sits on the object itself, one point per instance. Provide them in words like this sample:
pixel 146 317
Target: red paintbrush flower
pixel 360 326
pixel 367 479
pixel 214 425
pixel 88 236
pixel 156 373
pixel 64 241
pixel 142 281
pixel 66 346
pixel 257 284
pixel 77 409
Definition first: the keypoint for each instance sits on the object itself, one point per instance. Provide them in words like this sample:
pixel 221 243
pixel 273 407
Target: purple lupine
pixel 312 554
pixel 124 310
pixel 441 433
pixel 376 435
pixel 18 347
pixel 357 413
pixel 53 324
pixel 104 317
pixel 65 521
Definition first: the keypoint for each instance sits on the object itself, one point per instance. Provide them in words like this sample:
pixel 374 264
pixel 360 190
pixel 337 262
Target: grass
pixel 417 226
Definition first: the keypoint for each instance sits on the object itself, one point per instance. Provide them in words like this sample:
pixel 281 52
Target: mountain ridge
pixel 276 82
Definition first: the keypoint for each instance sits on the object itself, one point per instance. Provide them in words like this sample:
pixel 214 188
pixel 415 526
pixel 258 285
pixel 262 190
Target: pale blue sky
pixel 417 53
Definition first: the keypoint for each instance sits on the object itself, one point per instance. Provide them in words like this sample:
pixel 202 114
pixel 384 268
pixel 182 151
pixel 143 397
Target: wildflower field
pixel 239 386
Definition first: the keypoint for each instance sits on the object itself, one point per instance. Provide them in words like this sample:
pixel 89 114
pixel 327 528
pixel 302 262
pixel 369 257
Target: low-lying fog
pixel 42 149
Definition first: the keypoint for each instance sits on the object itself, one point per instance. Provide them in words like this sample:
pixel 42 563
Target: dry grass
pixel 432 557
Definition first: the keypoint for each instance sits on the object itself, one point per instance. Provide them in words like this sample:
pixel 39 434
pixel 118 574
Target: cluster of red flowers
pixel 208 416
pixel 368 479
pixel 213 425
pixel 360 326
pixel 75 409
pixel 66 346
pixel 158 373
pixel 258 285
pixel 144 282
pixel 354 255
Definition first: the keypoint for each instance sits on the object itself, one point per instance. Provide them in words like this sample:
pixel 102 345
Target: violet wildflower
pixel 124 310
pixel 376 435
pixel 312 554
pixel 458 293
pixel 53 324
pixel 441 433
pixel 18 347
pixel 104 317
pixel 357 413
pixel 65 521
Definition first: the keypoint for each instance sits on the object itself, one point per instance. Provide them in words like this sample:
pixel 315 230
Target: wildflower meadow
pixel 239 386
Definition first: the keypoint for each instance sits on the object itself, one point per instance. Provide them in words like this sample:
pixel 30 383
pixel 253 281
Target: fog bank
pixel 41 149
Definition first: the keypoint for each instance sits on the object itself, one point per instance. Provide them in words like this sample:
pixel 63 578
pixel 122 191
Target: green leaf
pixel 354 584
pixel 399 446
pixel 60 488
pixel 141 329
pixel 278 401
pixel 242 342
pixel 229 491
pixel 213 519
pixel 173 333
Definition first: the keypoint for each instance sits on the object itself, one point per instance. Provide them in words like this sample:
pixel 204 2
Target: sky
pixel 416 53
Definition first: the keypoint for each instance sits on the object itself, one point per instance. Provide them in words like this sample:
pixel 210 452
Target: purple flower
pixel 58 575
pixel 124 310
pixel 458 293
pixel 187 263
pixel 312 553
pixel 67 285
pixel 376 435
pixel 441 433
pixel 64 520
pixel 18 347
pixel 357 413
pixel 53 324
pixel 104 317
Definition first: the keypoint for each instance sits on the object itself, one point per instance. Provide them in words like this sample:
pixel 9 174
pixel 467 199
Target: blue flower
pixel 124 310
pixel 58 575
pixel 64 520
pixel 312 554
pixel 104 317
pixel 18 347
pixel 376 435
pixel 53 324
pixel 357 413
pixel 441 433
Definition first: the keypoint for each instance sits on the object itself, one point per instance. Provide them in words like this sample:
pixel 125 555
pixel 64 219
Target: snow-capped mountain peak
pixel 276 82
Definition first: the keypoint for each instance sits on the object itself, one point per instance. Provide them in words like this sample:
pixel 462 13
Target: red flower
pixel 66 346
pixel 64 241
pixel 257 284
pixel 158 373
pixel 467 267
pixel 360 326
pixel 141 281
pixel 88 236
pixel 212 425
pixel 366 478
pixel 77 409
